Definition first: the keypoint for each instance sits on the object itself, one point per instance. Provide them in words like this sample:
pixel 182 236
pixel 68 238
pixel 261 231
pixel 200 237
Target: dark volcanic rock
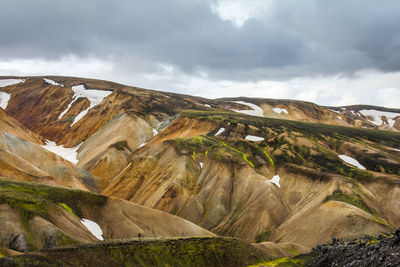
pixel 383 250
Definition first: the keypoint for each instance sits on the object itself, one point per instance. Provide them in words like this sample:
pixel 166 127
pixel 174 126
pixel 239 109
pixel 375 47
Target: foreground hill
pixel 195 251
pixel 36 216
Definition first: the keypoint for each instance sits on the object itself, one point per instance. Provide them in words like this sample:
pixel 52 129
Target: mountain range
pixel 268 177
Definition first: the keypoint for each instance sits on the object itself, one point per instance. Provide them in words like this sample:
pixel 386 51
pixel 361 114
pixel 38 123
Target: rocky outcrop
pixel 382 250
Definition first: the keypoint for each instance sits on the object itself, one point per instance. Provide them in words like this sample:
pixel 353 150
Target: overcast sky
pixel 329 52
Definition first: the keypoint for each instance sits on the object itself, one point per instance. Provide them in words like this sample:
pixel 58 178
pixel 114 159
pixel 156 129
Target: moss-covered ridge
pixel 32 199
pixel 354 200
pixel 325 142
pixel 240 152
pixel 311 129
pixel 297 261
pixel 194 251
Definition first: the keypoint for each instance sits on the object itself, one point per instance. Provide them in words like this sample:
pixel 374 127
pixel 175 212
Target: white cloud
pixel 68 66
pixel 365 87
pixel 239 11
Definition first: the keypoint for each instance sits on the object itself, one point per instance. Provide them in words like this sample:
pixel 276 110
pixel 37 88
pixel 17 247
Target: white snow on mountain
pixel 351 161
pixel 254 138
pixel 4 98
pixel 280 110
pixel 255 110
pixel 94 96
pixel 52 82
pixel 7 82
pixel 376 116
pixel 69 154
pixel 94 228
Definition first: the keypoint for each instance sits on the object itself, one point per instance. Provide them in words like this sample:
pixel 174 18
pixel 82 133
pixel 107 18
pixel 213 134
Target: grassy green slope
pixel 195 251
pixel 32 199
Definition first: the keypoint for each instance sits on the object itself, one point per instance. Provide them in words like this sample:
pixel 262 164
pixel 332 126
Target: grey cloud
pixel 295 38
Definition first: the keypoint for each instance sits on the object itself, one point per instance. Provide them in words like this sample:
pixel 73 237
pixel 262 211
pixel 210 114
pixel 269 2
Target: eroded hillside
pixel 265 179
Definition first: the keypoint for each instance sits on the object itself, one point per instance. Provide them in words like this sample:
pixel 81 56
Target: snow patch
pixel 338 112
pixel 7 82
pixel 94 96
pixel 396 149
pixel 256 110
pixel 351 161
pixel 201 165
pixel 220 131
pixel 155 132
pixel 66 110
pixel 80 116
pixel 4 98
pixel 207 105
pixel 340 118
pixel 52 82
pixel 94 228
pixel 254 138
pixel 280 110
pixel 142 145
pixel 275 180
pixel 69 154
pixel 377 115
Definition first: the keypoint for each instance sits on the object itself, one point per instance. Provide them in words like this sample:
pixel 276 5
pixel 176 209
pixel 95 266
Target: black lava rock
pixel 367 251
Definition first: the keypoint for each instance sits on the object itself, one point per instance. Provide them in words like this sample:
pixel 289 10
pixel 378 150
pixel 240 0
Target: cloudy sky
pixel 330 52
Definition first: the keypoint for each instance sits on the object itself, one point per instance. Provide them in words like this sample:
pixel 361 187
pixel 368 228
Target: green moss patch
pixel 122 145
pixel 195 251
pixel 263 237
pixel 354 200
pixel 3 253
pixel 300 260
pixel 217 149
pixel 291 249
pixel 65 206
pixel 65 240
pixel 68 119
pixel 32 199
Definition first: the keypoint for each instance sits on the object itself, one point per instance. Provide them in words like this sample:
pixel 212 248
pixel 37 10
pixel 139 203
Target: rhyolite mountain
pixel 284 174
